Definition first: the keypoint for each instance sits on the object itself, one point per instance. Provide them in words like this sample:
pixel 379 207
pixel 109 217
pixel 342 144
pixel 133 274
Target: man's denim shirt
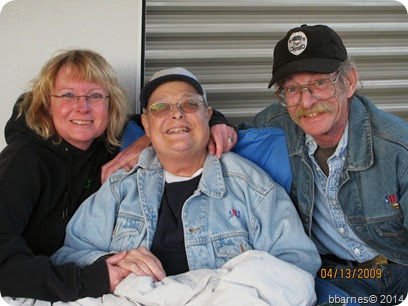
pixel 236 208
pixel 332 234
pixel 373 187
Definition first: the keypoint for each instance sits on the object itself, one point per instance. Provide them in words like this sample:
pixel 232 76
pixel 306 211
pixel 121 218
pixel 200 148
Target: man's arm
pixel 126 159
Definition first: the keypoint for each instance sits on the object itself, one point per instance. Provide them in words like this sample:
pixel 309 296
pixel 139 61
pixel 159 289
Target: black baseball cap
pixel 316 48
pixel 168 75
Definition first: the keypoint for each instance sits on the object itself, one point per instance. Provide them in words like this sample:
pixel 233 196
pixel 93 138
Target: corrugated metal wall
pixel 229 44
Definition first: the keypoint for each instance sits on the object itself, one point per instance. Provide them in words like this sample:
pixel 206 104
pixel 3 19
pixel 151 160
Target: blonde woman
pixel 61 133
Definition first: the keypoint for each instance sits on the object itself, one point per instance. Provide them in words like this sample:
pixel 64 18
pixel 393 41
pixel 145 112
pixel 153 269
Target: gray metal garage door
pixel 229 46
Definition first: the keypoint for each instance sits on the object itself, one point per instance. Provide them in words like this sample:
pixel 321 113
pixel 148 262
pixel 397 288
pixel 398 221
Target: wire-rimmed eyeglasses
pixel 321 89
pixel 186 105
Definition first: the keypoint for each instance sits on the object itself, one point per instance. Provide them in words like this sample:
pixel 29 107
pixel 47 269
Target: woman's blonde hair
pixel 83 65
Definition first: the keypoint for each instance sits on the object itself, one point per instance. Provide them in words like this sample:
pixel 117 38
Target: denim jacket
pixel 236 208
pixel 373 186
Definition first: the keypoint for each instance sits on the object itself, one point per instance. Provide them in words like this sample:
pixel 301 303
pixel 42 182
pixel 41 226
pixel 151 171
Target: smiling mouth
pixel 178 130
pixel 312 114
pixel 82 122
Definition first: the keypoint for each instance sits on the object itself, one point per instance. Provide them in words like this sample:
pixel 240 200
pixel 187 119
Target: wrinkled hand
pixel 116 273
pixel 126 159
pixel 142 262
pixel 223 138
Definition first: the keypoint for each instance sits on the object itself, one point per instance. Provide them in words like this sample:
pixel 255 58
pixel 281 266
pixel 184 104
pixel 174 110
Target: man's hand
pixel 142 262
pixel 127 159
pixel 223 138
pixel 116 273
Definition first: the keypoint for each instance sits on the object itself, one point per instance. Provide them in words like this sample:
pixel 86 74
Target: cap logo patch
pixel 297 43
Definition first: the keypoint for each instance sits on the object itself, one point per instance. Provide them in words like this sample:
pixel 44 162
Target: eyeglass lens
pixel 161 109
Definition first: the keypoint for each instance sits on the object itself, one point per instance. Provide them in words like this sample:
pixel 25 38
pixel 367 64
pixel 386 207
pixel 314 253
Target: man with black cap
pixel 349 162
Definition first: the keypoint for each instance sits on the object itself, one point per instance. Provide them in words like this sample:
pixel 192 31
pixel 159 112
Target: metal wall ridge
pixel 220 54
pixel 265 28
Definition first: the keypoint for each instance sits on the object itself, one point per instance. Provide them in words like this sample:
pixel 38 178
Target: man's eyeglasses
pixel 186 105
pixel 321 89
pixel 71 98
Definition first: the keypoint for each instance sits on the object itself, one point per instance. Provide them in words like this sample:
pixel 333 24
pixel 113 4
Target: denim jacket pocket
pixel 127 232
pixel 392 229
pixel 227 247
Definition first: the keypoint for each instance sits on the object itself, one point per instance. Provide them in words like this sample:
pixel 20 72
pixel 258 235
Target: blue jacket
pixel 374 176
pixel 236 207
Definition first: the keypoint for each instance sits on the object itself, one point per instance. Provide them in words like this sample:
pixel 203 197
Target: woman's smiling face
pixel 81 121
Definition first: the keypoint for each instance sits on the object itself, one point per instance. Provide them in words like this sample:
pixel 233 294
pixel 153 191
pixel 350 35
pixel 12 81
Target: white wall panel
pixel 32 31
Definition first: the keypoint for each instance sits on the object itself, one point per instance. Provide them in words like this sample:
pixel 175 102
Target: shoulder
pixel 256 140
pixel 386 126
pixel 25 152
pixel 261 144
pixel 28 157
pixel 267 148
pixel 272 113
pixel 274 116
pixel 241 169
pixel 21 173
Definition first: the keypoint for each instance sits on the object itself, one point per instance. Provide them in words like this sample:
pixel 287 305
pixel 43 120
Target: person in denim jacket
pixel 350 164
pixel 181 208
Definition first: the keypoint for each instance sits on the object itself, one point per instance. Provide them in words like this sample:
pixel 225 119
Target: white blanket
pixel 252 278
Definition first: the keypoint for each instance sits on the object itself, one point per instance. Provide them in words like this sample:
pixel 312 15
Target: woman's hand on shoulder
pixel 222 139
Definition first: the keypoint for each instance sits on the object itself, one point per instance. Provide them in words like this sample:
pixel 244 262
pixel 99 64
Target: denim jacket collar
pixel 149 160
pixel 360 154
